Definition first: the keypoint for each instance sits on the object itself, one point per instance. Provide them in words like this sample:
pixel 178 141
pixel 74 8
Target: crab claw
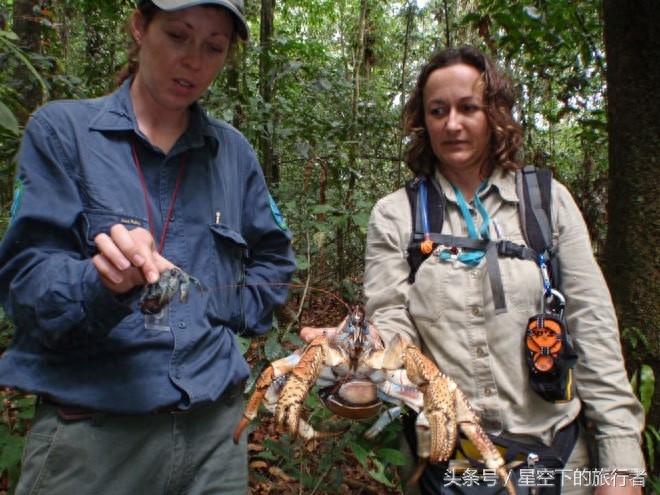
pixel 302 378
pixel 445 410
pixel 287 413
pixel 267 390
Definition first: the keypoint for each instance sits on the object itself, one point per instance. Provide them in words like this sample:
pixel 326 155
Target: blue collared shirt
pixel 82 345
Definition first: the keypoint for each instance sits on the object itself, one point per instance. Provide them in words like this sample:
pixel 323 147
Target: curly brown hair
pixel 506 139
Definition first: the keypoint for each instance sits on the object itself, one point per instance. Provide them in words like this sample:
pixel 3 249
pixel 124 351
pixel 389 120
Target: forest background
pixel 319 91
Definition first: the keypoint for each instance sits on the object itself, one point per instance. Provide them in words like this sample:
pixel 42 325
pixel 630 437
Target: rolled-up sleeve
pixel 386 284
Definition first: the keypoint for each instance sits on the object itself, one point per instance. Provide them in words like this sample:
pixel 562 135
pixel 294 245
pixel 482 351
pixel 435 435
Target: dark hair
pixel 506 140
pixel 149 11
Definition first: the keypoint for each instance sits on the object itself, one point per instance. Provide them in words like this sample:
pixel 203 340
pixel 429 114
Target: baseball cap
pixel 236 7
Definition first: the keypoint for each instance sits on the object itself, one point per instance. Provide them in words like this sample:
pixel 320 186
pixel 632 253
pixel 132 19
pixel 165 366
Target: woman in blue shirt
pixel 110 193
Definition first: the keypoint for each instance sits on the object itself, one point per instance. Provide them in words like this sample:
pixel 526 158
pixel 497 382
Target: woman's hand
pixel 127 258
pixel 618 490
pixel 307 334
pixel 618 484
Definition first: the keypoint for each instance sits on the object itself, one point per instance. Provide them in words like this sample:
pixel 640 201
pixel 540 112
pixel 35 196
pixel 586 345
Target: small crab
pixel 155 297
pixel 357 374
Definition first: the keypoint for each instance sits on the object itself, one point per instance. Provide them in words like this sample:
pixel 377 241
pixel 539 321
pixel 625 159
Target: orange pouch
pixel 550 357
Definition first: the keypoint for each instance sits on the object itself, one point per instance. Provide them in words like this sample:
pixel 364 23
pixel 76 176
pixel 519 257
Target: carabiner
pixel 555 300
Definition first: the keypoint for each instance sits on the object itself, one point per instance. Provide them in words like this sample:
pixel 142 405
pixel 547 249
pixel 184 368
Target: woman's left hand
pixel 307 334
pixel 619 487
pixel 127 258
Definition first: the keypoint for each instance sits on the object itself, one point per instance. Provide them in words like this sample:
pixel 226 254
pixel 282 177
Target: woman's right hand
pixel 307 334
pixel 127 258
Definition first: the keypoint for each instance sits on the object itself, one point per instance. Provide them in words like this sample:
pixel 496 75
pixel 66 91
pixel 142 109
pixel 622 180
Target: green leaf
pixel 279 448
pixel 26 61
pixel 323 208
pixel 360 453
pixel 294 339
pixel 649 444
pixel 361 219
pixel 634 381
pixel 9 35
pixel 302 263
pixel 269 456
pixel 8 119
pixel 243 343
pixel 11 451
pixel 646 386
pixel 363 456
pixel 505 20
pixel 392 456
pixel 273 348
pixel 379 473
pixel 472 17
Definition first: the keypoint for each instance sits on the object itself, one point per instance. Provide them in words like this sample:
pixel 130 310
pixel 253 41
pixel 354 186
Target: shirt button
pixel 474 273
pixel 475 311
pixel 182 324
pixel 488 392
pixel 480 352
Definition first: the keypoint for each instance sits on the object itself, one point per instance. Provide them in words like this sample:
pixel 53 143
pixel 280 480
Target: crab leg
pixel 437 389
pixel 303 376
pixel 475 433
pixel 277 369
pixel 445 409
pixel 385 419
pixel 395 389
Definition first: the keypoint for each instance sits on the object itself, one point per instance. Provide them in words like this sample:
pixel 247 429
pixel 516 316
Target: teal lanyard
pixel 471 258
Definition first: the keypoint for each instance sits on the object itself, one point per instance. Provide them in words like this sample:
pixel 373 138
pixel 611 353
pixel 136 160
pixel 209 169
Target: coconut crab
pixel 156 296
pixel 357 373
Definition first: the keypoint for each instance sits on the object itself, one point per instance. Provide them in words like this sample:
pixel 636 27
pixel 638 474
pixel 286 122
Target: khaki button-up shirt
pixel 449 312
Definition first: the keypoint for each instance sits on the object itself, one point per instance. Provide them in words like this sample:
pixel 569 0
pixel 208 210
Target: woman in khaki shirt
pixel 460 122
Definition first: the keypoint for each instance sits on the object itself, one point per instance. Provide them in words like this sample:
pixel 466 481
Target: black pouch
pixel 550 357
pixel 553 458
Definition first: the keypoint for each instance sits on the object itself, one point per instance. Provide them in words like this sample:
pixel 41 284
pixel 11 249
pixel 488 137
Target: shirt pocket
pixel 523 285
pixel 439 292
pixel 227 271
pixel 96 221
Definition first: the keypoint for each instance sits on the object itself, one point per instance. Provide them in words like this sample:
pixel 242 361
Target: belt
pixel 76 413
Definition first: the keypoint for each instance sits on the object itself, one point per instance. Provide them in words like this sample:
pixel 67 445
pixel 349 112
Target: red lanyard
pixel 146 196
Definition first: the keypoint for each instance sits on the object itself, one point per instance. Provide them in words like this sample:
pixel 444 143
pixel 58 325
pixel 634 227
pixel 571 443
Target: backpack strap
pixel 534 187
pixel 534 190
pixel 435 215
pixel 435 211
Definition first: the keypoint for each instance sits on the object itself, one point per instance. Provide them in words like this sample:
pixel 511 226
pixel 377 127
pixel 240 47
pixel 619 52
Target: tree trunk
pixel 632 245
pixel 28 28
pixel 266 144
pixel 359 74
pixel 410 19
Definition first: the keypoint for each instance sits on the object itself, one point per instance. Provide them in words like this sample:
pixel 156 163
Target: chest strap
pixel 493 250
